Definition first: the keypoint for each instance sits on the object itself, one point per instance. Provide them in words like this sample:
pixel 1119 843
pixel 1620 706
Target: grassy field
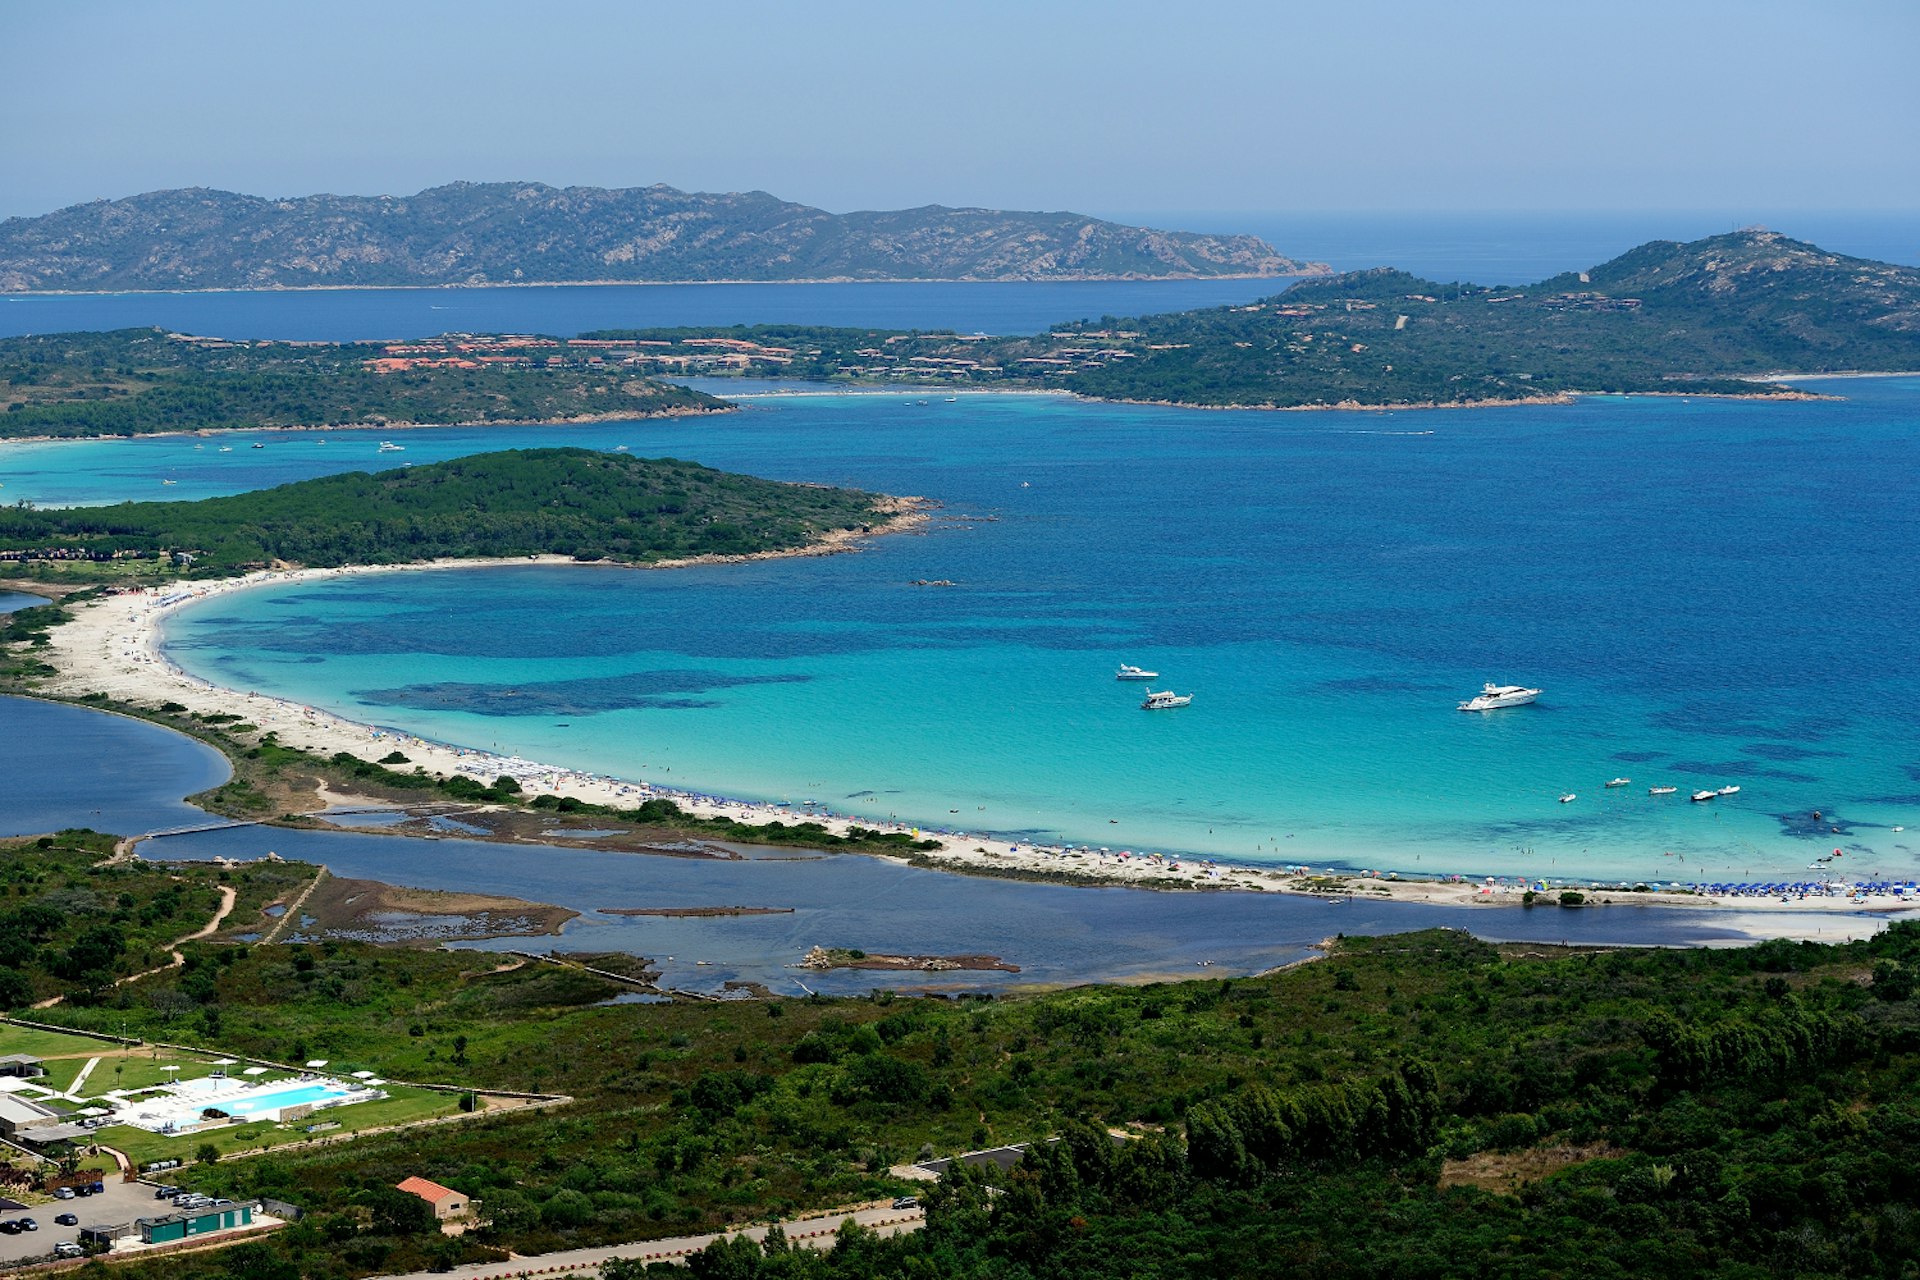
pixel 124 1069
pixel 406 1106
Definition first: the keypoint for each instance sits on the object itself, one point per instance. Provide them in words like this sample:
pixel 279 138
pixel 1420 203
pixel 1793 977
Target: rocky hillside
pixel 1710 317
pixel 519 233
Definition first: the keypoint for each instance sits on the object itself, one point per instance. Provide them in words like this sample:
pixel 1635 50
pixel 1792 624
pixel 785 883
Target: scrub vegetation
pixel 1725 1113
pixel 1682 319
pixel 517 502
pixel 130 382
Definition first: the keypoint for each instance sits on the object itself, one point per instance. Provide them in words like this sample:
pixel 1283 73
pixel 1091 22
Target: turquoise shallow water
pixel 62 762
pixel 1710 593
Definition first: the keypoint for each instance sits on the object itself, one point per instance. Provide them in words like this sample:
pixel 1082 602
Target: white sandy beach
pixel 113 647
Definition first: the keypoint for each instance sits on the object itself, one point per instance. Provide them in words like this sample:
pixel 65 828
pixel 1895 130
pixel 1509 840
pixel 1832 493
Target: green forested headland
pixel 1695 318
pixel 1421 1105
pixel 517 502
pixel 142 381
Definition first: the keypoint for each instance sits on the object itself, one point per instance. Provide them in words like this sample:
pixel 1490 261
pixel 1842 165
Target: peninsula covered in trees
pixel 142 381
pixel 471 233
pixel 1708 317
pixel 518 502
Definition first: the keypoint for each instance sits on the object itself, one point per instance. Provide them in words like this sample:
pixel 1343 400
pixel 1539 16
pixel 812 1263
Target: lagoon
pixel 66 766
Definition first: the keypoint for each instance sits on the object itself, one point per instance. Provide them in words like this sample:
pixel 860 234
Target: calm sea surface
pixel 1712 593
pixel 346 314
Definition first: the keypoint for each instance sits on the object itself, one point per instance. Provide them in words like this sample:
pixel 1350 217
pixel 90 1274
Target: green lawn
pixel 47 1044
pixel 406 1106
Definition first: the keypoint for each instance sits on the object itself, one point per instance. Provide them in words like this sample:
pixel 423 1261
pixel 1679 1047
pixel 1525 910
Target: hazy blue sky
pixel 1335 104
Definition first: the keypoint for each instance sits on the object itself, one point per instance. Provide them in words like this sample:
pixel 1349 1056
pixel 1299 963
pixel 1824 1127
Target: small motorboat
pixel 1568 798
pixel 259 446
pixel 1698 796
pixel 1728 791
pixel 1661 791
pixel 1128 672
pixel 1495 696
pixel 1618 782
pixel 1165 700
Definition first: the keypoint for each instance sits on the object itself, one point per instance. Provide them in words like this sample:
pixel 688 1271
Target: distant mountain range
pixel 525 233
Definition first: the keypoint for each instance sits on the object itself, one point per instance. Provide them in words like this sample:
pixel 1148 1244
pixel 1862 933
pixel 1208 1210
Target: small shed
pixel 446 1202
pixel 194 1222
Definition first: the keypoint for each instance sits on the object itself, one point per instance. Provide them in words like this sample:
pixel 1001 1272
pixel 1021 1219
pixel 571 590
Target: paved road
pixel 814 1233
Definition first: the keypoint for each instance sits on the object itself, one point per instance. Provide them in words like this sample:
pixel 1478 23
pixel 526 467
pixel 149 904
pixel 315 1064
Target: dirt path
pixel 292 912
pixel 227 896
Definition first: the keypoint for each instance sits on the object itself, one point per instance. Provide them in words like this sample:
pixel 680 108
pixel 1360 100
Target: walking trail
pixel 227 896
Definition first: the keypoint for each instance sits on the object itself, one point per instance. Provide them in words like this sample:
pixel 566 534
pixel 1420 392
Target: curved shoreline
pixel 113 646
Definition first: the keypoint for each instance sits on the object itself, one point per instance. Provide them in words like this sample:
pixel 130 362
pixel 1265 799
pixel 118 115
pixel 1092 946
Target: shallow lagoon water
pixel 1057 934
pixel 66 766
pixel 1711 592
pixel 53 757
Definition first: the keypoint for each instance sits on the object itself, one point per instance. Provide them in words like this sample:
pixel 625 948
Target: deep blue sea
pixel 340 315
pixel 1711 593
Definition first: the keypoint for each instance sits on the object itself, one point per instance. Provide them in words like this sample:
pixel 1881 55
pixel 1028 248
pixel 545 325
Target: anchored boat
pixel 1495 696
pixel 1165 700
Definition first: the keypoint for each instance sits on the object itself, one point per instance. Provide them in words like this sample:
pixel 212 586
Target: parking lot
pixel 120 1202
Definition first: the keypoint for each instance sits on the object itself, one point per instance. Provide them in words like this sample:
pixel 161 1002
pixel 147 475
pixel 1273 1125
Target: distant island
pixel 579 503
pixel 469 233
pixel 1707 317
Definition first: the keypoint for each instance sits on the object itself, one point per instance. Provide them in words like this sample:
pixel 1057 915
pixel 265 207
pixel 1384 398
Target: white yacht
pixel 1127 672
pixel 1728 791
pixel 1698 796
pixel 1495 696
pixel 1165 700
pixel 388 446
pixel 1661 791
pixel 1619 782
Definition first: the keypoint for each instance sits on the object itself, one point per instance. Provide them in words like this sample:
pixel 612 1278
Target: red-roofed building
pixel 446 1202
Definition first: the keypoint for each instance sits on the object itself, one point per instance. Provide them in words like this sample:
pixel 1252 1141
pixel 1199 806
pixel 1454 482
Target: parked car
pixel 63 1193
pixel 96 1188
pixel 68 1249
pixel 28 1224
pixel 67 1219
pixel 10 1227
pixel 907 1202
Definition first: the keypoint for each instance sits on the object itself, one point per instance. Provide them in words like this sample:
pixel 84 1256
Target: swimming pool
pixel 277 1100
